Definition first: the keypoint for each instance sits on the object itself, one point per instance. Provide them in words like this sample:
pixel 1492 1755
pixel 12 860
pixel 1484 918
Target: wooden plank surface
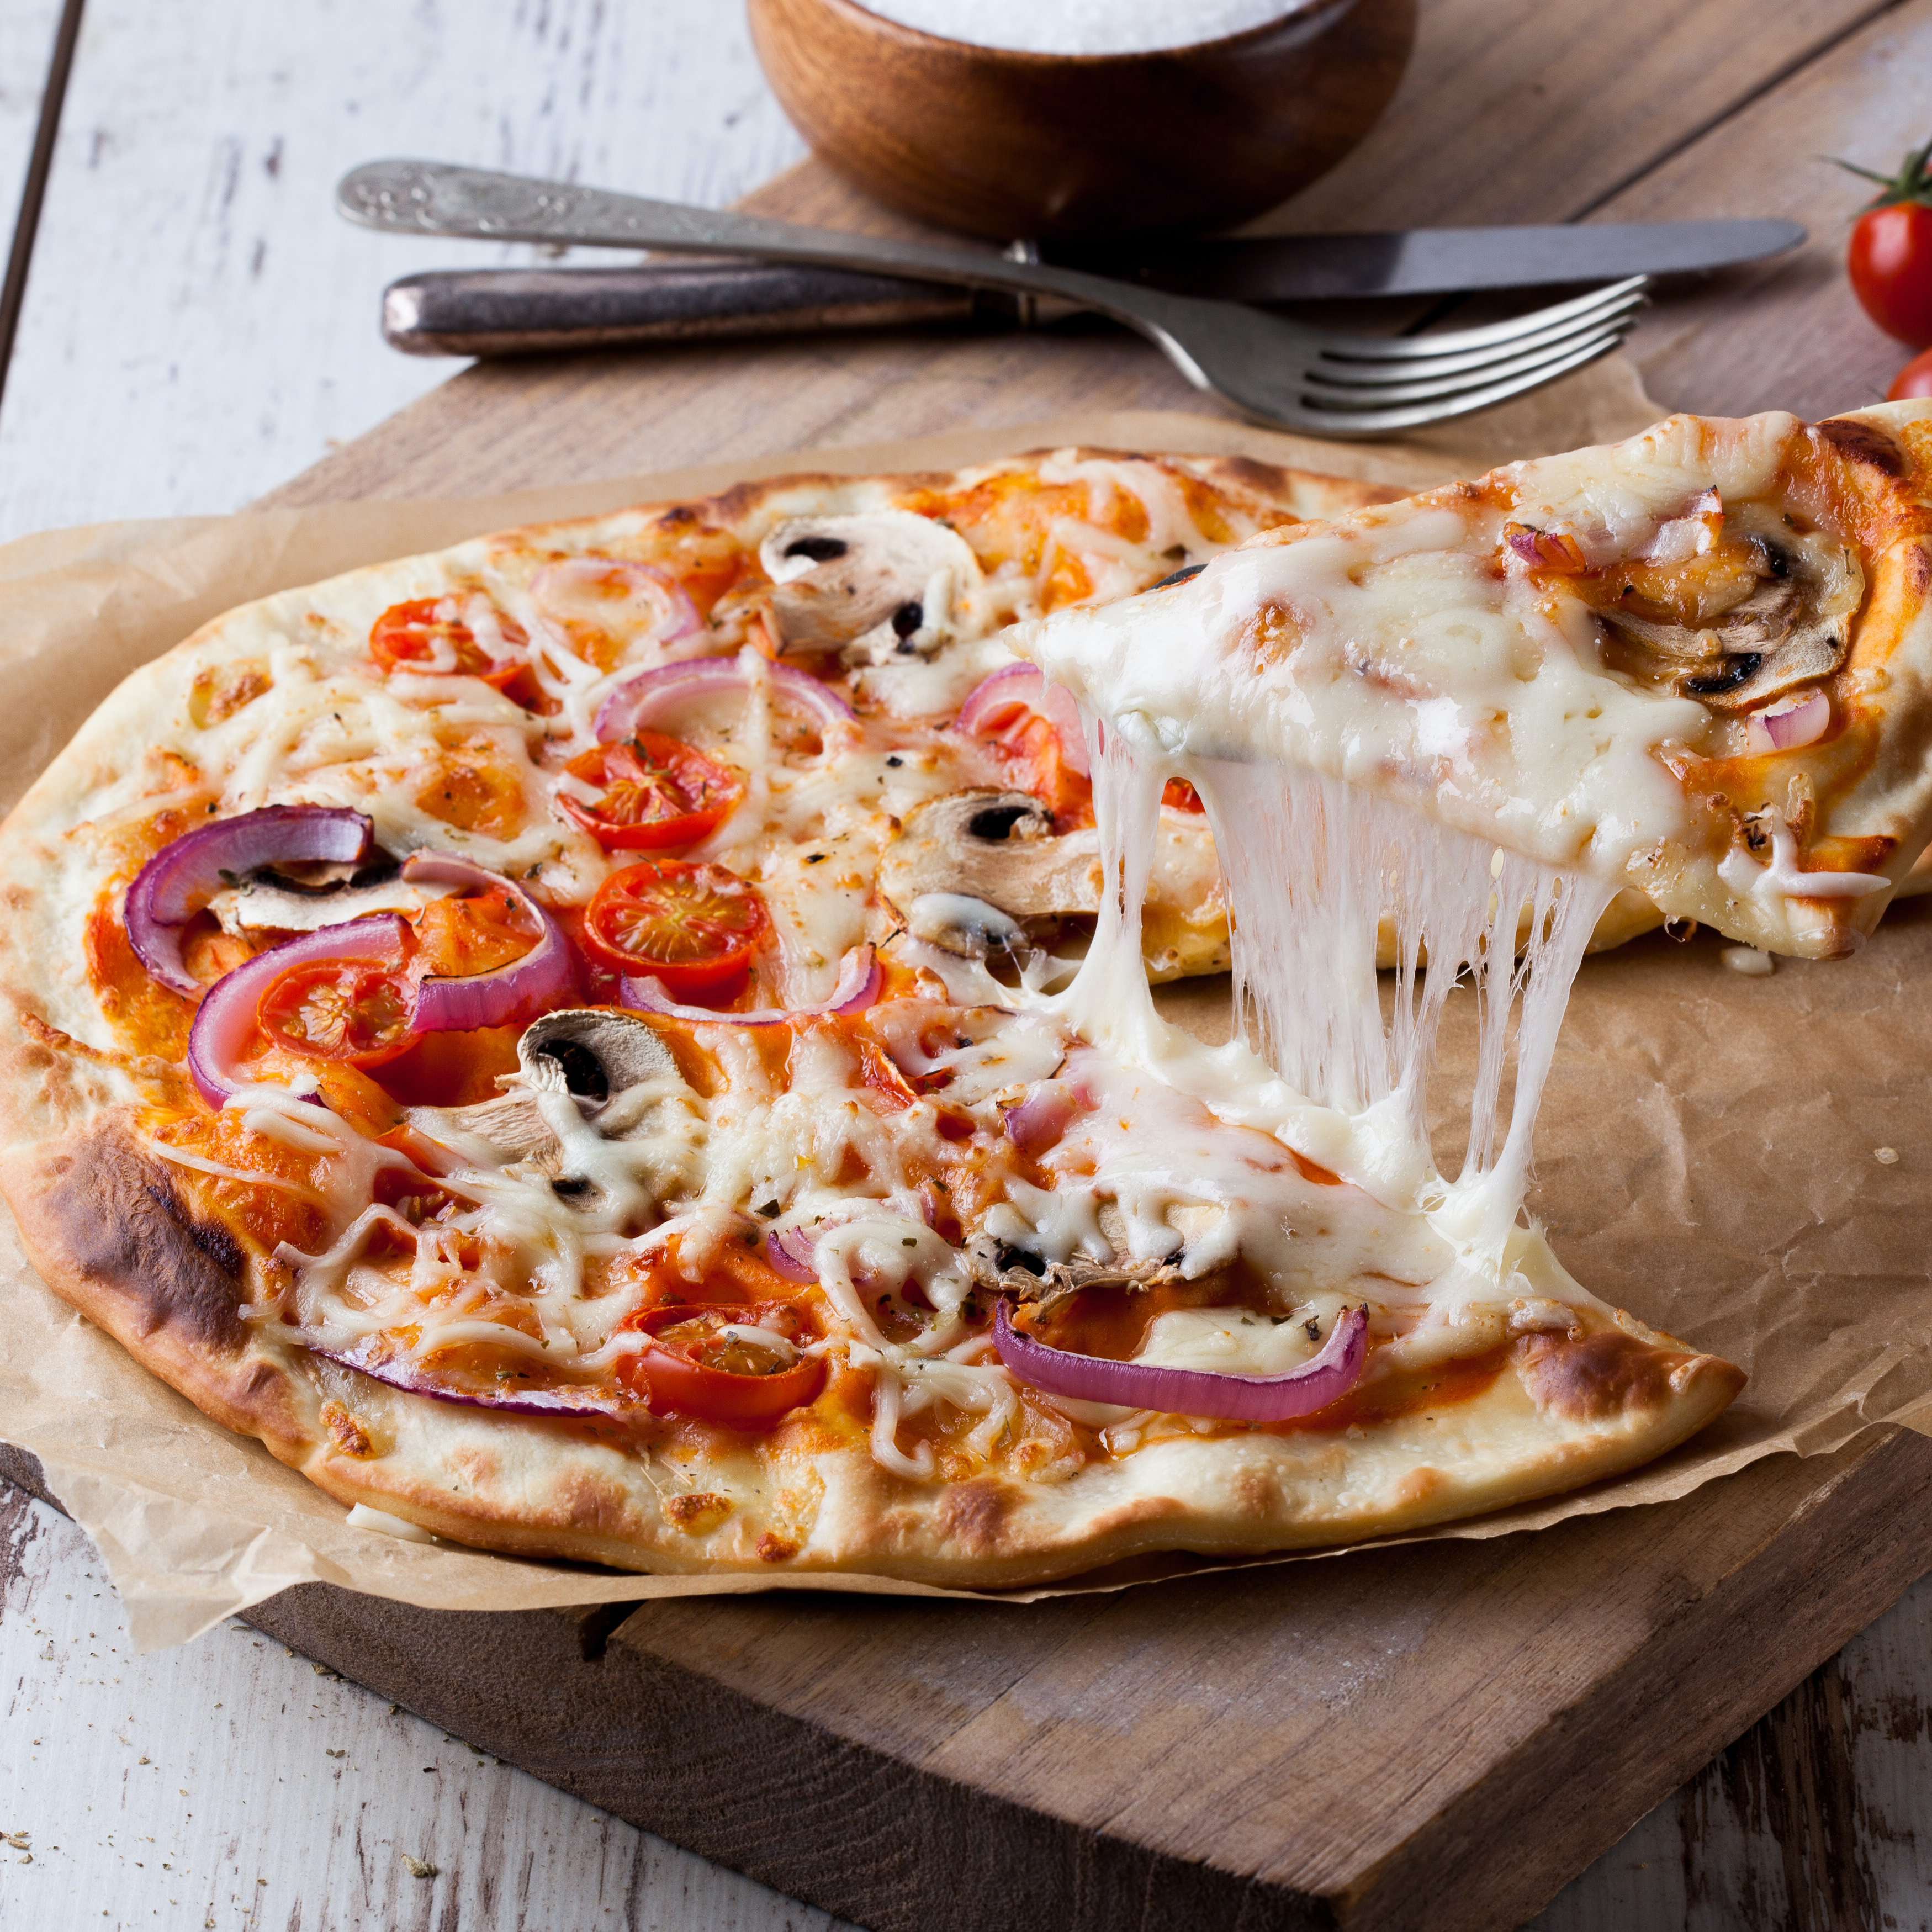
pixel 201 325
pixel 653 1721
pixel 26 46
pixel 1789 335
pixel 1455 139
pixel 234 1784
pixel 1521 110
pixel 1745 1845
pixel 1446 1701
pixel 1836 1771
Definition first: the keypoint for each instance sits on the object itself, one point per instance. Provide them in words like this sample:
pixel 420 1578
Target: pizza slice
pixel 1693 664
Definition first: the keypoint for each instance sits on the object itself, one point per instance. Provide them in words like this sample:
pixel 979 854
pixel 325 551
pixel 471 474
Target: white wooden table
pixel 197 327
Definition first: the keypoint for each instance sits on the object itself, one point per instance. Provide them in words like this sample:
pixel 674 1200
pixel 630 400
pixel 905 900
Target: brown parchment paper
pixel 1705 1149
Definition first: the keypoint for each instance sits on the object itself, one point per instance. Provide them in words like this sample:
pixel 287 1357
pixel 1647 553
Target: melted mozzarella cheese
pixel 1311 866
pixel 1389 651
pixel 1235 1341
pixel 1197 1192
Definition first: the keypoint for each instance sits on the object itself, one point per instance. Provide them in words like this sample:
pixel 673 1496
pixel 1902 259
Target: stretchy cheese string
pixel 1312 865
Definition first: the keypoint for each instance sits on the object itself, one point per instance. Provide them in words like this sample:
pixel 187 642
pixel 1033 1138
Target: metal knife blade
pixel 1435 261
pixel 523 311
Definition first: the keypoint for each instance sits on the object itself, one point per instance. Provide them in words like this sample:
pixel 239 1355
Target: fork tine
pixel 1410 348
pixel 1324 395
pixel 1368 376
pixel 1407 382
pixel 1383 422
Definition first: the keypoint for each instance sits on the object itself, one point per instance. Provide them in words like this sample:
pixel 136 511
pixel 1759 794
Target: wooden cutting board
pixel 1439 1735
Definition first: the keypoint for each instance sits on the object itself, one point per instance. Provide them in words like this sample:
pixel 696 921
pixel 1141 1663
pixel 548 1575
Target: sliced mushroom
pixel 597 1055
pixel 966 869
pixel 269 903
pixel 880 585
pixel 1004 1267
pixel 1788 621
pixel 963 924
pixel 973 871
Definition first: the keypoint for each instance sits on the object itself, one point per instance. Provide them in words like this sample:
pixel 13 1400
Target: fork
pixel 1330 382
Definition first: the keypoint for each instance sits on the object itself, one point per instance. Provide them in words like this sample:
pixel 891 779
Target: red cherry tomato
pixel 1914 379
pixel 657 792
pixel 693 927
pixel 695 1365
pixel 457 937
pixel 1038 738
pixel 346 1010
pixel 426 634
pixel 1890 259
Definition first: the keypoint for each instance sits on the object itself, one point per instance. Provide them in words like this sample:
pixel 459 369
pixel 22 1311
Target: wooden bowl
pixel 1064 146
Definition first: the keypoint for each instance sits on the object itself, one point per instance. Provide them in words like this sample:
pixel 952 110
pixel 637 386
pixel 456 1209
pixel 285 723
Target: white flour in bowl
pixel 1083 26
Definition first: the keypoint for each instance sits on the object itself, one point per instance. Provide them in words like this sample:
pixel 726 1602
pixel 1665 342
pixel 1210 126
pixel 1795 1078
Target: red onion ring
pixel 793 1251
pixel 859 980
pixel 1042 1117
pixel 790 1253
pixel 1548 550
pixel 572 1405
pixel 178 881
pixel 543 977
pixel 648 698
pixel 997 703
pixel 225 1021
pixel 1785 726
pixel 568 591
pixel 1326 1377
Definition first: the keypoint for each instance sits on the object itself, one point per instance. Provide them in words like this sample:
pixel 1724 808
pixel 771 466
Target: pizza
pixel 631 1040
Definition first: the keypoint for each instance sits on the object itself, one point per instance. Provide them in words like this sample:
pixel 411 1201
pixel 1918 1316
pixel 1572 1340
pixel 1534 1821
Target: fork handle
pixel 404 197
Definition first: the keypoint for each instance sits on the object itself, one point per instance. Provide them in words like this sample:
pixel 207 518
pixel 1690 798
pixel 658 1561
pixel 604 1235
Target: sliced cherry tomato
pixel 693 927
pixel 340 1009
pixel 1890 258
pixel 658 792
pixel 457 938
pixel 1037 759
pixel 1914 379
pixel 426 634
pixel 1182 795
pixel 696 1365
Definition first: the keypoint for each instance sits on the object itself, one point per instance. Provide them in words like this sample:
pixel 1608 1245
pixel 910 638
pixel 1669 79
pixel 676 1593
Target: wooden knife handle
pixel 530 311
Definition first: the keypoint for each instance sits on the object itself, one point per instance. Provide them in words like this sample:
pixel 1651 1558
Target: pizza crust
pixel 103 1223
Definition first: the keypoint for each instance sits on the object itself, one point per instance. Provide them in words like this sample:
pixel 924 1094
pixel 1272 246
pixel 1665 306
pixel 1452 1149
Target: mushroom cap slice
pixel 1002 1268
pixel 964 870
pixel 1792 626
pixel 874 585
pixel 990 860
pixel 266 904
pixel 596 1055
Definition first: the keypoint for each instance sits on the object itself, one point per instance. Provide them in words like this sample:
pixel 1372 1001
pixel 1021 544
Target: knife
pixel 512 311
pixel 1436 261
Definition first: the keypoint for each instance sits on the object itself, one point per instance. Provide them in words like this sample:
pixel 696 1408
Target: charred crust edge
pixel 1863 442
pixel 1603 1376
pixel 120 1225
